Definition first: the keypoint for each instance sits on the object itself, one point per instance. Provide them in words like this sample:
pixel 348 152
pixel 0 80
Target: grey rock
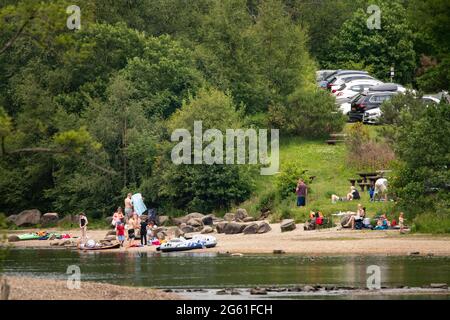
pixel 195 215
pixel 187 229
pixel 195 222
pixel 229 216
pixel 252 228
pixel 287 225
pixel 111 233
pixel 13 238
pixel 207 229
pixel 11 219
pixel 439 286
pixel 163 220
pixel 241 214
pixel 208 220
pixel 249 219
pixel 28 218
pixel 174 232
pixel 233 228
pixel 220 227
pixel 110 238
pixel 258 291
pixel 264 227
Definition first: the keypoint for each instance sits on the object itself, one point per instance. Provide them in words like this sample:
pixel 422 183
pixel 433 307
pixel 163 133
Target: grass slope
pixel 328 164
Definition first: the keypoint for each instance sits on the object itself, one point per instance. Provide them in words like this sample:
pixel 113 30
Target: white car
pixel 347 78
pixel 348 90
pixel 372 116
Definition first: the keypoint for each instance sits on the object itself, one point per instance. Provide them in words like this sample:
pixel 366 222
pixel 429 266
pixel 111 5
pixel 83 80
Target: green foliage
pixel 400 106
pixel 436 223
pixel 286 180
pixel 267 201
pixel 421 179
pixel 379 49
pixel 310 114
pixel 203 187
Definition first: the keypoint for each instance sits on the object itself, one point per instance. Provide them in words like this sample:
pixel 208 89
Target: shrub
pixel 431 223
pixel 310 114
pixel 365 153
pixel 267 201
pixel 286 181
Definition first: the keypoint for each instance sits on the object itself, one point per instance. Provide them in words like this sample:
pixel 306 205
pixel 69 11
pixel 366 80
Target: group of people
pixel 358 220
pixel 127 224
pixel 130 226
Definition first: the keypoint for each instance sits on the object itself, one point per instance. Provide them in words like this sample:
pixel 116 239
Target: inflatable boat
pixel 182 244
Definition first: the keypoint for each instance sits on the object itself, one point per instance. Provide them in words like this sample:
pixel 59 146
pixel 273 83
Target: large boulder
pixel 220 227
pixel 109 220
pixel 11 219
pixel 249 219
pixel 195 215
pixel 229 216
pixel 195 223
pixel 28 218
pixel 49 218
pixel 208 220
pixel 187 229
pixel 163 220
pixel 179 220
pixel 207 229
pixel 287 225
pixel 241 214
pixel 252 228
pixel 174 232
pixel 13 238
pixel 264 227
pixel 233 228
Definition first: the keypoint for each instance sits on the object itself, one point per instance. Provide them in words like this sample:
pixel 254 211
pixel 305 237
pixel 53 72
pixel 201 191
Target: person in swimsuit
pixel 83 227
pixel 128 206
pixel 117 217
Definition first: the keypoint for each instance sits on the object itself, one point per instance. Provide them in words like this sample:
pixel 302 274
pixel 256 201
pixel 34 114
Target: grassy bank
pixel 329 166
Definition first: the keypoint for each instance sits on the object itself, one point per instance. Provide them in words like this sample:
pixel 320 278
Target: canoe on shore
pixel 113 246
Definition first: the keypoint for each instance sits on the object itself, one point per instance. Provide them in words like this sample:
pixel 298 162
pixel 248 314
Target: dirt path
pixel 318 242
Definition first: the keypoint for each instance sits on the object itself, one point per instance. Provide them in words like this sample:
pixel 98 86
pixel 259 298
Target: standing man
pixel 128 206
pixel 301 191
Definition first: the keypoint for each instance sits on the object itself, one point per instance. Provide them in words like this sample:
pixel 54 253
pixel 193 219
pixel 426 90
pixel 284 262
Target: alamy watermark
pixel 74 277
pixel 373 281
pixel 74 20
pixel 190 149
pixel 374 20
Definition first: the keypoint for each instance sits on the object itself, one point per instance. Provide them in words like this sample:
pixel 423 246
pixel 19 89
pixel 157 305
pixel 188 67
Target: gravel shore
pixel 30 288
pixel 318 242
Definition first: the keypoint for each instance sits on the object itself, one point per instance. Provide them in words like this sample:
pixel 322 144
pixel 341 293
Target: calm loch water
pixel 200 270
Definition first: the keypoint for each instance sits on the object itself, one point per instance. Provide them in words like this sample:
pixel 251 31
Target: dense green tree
pixel 376 49
pixel 202 187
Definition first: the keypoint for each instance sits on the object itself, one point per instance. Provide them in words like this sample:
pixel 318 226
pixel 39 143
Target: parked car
pixel 349 89
pixel 340 80
pixel 323 74
pixel 368 101
pixel 373 116
pixel 323 84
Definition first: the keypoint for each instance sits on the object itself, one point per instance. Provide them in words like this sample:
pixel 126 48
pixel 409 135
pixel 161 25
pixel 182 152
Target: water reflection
pixel 214 271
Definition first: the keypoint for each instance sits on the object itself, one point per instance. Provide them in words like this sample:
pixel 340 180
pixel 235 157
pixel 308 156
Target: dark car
pixel 366 101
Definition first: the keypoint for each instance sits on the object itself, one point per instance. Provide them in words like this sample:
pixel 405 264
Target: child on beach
pixel 120 231
pixel 143 232
pixel 150 227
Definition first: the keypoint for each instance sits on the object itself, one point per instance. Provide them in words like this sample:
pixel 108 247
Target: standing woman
pixel 83 226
